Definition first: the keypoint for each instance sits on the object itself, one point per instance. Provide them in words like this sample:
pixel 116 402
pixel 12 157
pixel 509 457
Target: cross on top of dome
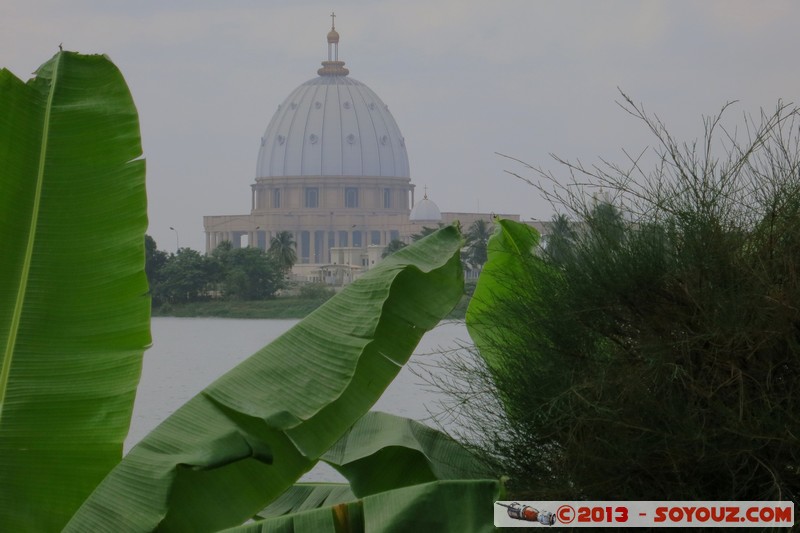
pixel 333 35
pixel 333 67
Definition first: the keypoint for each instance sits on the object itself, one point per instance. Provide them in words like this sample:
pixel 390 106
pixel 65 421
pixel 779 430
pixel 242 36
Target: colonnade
pixel 311 245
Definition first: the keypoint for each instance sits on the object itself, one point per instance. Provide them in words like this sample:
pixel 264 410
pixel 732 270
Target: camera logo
pixel 529 514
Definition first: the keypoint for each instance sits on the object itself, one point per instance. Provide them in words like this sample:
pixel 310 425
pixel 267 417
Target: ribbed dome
pixel 425 211
pixel 332 125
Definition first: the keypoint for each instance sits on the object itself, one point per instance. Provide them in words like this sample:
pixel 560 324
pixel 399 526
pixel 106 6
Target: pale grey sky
pixel 463 79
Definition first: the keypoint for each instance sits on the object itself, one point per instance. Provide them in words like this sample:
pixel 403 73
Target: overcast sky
pixel 464 80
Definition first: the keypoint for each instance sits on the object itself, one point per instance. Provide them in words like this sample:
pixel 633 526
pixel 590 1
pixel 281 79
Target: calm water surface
pixel 190 353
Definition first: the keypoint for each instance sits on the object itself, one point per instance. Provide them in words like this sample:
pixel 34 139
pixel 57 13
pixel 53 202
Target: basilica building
pixel 333 170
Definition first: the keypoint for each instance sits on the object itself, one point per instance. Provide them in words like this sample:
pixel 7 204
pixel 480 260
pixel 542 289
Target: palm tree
pixel 392 247
pixel 560 240
pixel 425 232
pixel 477 240
pixel 282 250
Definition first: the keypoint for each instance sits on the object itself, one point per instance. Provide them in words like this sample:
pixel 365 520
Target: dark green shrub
pixel 315 291
pixel 656 355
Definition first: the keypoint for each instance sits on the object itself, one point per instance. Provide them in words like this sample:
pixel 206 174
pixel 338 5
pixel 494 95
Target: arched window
pixel 312 197
pixel 351 197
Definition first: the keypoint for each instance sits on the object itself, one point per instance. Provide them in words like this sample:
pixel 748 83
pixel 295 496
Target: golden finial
pixel 333 35
pixel 333 67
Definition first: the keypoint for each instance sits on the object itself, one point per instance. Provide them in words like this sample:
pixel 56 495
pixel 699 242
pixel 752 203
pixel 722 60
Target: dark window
pixel 356 239
pixel 312 197
pixel 394 235
pixel 276 198
pixel 319 240
pixel 343 239
pixel 351 197
pixel 305 246
pixel 387 198
pixel 375 237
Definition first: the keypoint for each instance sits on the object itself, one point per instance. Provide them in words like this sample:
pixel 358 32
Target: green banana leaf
pixel 306 497
pixel 74 310
pixel 448 505
pixel 251 434
pixel 382 452
pixel 344 517
pixel 510 251
pixel 456 506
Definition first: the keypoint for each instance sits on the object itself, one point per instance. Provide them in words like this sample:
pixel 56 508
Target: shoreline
pixel 277 308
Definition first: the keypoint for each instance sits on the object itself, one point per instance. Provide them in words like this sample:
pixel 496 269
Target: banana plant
pixel 444 505
pixel 74 310
pixel 252 433
pixel 74 322
pixel 511 257
pixel 401 474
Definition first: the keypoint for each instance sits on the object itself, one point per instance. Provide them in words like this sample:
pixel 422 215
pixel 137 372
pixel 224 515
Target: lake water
pixel 190 353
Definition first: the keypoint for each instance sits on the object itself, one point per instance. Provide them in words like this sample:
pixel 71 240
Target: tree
pixel 246 273
pixel 656 355
pixel 186 277
pixel 425 232
pixel 392 247
pixel 282 249
pixel 222 250
pixel 154 262
pixel 560 239
pixel 477 238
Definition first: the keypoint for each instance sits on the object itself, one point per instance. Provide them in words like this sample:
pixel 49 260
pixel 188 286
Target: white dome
pixel 425 211
pixel 332 125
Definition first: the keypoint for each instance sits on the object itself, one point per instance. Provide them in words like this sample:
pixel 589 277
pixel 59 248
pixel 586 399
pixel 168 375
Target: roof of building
pixel 332 125
pixel 425 210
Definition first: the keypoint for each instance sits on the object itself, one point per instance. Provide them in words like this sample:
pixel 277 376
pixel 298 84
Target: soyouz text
pixel 645 513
